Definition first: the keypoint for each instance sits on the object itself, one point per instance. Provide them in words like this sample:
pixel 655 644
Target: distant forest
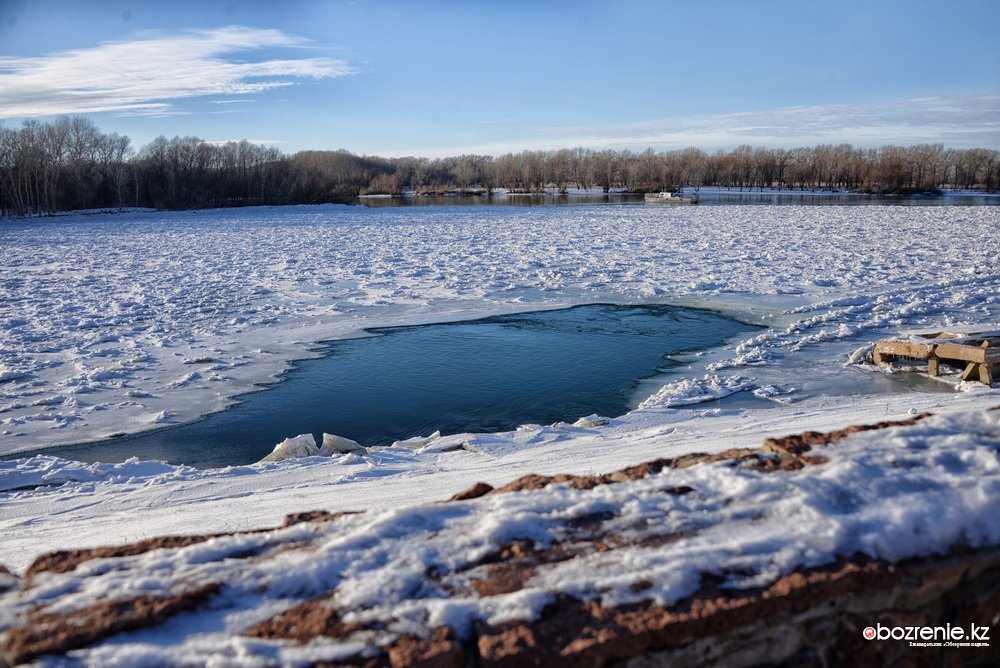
pixel 70 164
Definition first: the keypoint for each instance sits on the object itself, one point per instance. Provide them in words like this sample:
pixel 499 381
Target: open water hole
pixel 478 376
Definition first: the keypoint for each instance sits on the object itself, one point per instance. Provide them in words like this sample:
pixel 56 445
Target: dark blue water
pixel 480 376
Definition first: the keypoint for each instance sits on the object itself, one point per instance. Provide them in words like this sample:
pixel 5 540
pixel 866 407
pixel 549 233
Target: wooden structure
pixel 977 355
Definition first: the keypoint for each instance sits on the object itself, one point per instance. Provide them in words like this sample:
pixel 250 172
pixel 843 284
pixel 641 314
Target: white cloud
pixel 960 121
pixel 914 119
pixel 137 77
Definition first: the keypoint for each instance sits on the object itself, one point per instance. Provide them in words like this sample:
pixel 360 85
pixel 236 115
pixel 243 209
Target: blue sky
pixel 440 78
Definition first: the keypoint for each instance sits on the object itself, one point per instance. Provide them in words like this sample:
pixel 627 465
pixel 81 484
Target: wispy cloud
pixel 936 118
pixel 957 121
pixel 141 76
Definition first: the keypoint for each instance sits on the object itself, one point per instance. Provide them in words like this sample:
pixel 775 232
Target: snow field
pixel 120 323
pixel 116 323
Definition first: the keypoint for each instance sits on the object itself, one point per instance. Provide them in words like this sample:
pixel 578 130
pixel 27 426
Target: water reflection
pixel 534 199
pixel 705 198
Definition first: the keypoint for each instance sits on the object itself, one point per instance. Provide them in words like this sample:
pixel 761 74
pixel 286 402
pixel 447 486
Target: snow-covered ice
pixel 113 324
pixel 303 445
pixel 119 323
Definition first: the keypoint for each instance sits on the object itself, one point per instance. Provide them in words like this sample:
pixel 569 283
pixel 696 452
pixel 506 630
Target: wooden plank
pixel 991 351
pixel 920 351
pixel 941 335
pixel 954 351
pixel 979 352
pixel 971 369
pixel 977 341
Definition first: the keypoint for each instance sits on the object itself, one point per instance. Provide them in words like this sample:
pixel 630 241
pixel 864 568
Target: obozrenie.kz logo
pixel 975 634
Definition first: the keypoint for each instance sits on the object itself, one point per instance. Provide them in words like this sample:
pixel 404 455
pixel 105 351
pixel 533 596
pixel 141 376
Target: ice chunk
pixel 862 355
pixel 592 420
pixel 8 374
pixel 774 393
pixel 163 417
pixel 350 458
pixel 693 391
pixel 333 444
pixel 417 441
pixel 303 445
pixel 136 394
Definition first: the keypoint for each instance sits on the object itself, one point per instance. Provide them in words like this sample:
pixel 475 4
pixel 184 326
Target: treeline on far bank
pixel 70 164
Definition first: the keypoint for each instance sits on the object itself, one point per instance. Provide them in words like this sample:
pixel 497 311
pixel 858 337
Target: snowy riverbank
pixel 654 557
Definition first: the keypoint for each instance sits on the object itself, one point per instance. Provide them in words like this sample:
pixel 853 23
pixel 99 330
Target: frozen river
pixel 122 323
pixel 116 324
